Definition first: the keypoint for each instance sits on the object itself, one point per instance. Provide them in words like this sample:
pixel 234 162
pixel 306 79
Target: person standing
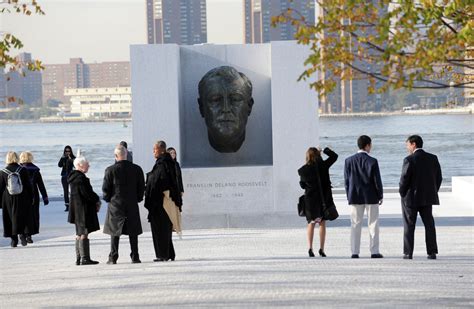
pixel 364 191
pixel 314 179
pixel 66 163
pixel 37 184
pixel 179 176
pixel 85 204
pixel 16 199
pixel 419 185
pixel 123 188
pixel 161 189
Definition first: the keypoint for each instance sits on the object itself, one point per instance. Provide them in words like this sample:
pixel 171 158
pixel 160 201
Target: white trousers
pixel 357 217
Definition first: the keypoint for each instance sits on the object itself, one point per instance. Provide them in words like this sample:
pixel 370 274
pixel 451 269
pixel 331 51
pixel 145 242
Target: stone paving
pixel 240 268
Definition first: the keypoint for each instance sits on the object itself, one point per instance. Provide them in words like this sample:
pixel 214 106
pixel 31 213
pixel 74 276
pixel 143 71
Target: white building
pixel 100 102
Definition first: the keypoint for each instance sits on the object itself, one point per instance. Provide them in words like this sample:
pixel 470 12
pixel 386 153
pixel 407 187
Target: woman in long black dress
pixel 314 179
pixel 37 184
pixel 16 205
pixel 66 164
pixel 85 204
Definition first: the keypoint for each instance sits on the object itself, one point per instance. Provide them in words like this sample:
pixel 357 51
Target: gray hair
pixel 80 161
pixel 161 145
pixel 120 152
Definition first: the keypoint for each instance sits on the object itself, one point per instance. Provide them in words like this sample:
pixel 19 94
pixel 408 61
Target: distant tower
pixel 26 84
pixel 258 15
pixel 176 21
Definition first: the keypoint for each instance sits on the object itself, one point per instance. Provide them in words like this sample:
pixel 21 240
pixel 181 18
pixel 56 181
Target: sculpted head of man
pixel 225 102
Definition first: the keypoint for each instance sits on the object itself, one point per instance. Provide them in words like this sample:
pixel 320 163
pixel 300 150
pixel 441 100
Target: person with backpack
pixel 66 163
pixel 37 185
pixel 16 199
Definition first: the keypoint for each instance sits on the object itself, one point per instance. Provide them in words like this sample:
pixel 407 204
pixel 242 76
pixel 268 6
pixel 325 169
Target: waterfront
pixel 448 136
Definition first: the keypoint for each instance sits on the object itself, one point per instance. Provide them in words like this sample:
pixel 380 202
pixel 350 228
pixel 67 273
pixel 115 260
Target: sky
pixel 102 30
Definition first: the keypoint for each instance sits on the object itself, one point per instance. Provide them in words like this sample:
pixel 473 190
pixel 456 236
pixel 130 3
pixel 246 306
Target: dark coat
pixel 310 182
pixel 161 178
pixel 37 186
pixel 362 180
pixel 123 188
pixel 179 177
pixel 67 165
pixel 83 205
pixel 17 209
pixel 420 180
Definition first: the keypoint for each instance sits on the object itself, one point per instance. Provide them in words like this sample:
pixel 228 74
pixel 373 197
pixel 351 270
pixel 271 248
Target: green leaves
pixel 395 44
pixel 8 42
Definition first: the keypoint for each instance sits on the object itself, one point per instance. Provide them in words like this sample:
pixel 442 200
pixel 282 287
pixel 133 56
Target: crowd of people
pixel 123 188
pixel 420 181
pixel 125 185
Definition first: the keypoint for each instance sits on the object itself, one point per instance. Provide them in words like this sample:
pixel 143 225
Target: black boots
pixel 67 207
pixel 14 242
pixel 85 253
pixel 23 240
pixel 78 253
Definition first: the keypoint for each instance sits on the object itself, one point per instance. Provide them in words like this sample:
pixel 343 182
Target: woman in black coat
pixel 16 208
pixel 83 210
pixel 66 164
pixel 26 161
pixel 314 179
pixel 179 177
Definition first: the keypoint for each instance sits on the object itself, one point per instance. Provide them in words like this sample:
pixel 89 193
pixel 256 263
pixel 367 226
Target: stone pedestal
pixel 256 186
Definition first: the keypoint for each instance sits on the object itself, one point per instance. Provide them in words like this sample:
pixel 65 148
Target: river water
pixel 448 136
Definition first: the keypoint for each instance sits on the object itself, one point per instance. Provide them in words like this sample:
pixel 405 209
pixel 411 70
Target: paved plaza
pixel 240 268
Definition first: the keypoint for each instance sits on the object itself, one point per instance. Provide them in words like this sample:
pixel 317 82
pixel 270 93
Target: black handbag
pixel 330 212
pixel 301 206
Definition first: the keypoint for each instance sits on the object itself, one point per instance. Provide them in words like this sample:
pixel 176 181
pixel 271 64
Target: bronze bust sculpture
pixel 225 102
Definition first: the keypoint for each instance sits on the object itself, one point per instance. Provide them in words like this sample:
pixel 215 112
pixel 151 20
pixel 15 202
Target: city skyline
pixel 95 31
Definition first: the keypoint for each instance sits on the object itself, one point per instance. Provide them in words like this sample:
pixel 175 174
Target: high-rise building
pixel 258 15
pixel 176 21
pixel 352 95
pixel 77 74
pixel 24 85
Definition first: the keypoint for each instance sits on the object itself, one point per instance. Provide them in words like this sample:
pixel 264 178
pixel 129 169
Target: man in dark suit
pixel 419 184
pixel 123 188
pixel 364 192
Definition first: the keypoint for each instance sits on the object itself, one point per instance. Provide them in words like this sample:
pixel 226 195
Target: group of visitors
pixel 20 187
pixel 124 186
pixel 419 185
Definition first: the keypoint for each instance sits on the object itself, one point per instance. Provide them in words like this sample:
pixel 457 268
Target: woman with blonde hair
pixel 37 184
pixel 16 199
pixel 314 179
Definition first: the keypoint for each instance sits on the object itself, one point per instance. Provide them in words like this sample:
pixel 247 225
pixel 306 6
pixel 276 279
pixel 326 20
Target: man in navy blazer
pixel 364 191
pixel 419 185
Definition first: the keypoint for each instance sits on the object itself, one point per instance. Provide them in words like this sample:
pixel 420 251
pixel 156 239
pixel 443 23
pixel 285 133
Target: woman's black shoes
pixel 321 253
